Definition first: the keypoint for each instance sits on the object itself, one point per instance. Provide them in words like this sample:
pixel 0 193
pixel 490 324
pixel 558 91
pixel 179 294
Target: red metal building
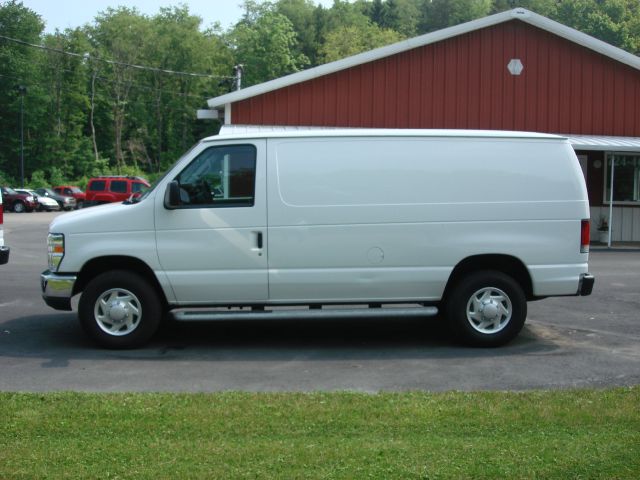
pixel 512 71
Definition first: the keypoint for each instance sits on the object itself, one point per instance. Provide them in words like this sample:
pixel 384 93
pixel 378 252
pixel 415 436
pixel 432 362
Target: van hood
pixel 112 217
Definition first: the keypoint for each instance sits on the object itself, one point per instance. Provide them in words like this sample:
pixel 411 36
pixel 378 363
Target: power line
pixel 150 103
pixel 86 56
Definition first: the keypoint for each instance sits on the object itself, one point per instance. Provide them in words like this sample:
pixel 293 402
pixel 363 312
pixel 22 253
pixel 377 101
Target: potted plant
pixel 603 230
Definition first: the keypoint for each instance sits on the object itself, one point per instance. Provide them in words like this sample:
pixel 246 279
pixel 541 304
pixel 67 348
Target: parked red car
pixel 18 202
pixel 72 191
pixel 113 189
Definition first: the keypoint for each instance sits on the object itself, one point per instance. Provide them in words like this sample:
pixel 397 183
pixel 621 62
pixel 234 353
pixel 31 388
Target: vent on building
pixel 515 66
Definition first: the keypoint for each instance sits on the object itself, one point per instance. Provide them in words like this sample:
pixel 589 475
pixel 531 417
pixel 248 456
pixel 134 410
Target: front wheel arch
pixel 99 265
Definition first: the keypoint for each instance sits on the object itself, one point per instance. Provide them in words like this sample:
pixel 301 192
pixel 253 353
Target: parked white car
pixel 44 203
pixel 4 250
pixel 470 223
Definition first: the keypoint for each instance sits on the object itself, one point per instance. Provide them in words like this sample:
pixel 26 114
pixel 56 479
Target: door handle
pixel 259 240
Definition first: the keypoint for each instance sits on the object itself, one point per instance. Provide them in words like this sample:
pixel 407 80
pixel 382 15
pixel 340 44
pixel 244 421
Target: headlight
pixel 67 200
pixel 30 199
pixel 55 249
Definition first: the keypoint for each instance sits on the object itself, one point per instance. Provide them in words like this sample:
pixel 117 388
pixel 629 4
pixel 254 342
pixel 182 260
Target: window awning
pixel 604 143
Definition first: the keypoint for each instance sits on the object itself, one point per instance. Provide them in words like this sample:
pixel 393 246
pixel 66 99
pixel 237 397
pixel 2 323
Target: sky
pixel 63 14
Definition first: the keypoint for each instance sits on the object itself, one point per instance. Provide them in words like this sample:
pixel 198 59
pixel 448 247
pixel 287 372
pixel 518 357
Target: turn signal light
pixel 585 235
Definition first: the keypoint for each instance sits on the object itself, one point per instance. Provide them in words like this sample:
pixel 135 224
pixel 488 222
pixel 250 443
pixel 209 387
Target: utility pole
pixel 237 71
pixel 22 91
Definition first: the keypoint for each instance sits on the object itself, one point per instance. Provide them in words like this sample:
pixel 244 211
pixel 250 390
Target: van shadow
pixel 58 339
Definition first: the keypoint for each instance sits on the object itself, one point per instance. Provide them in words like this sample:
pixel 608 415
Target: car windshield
pixel 47 190
pixel 76 190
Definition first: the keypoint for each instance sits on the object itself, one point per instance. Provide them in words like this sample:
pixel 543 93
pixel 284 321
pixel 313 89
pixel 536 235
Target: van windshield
pixel 154 184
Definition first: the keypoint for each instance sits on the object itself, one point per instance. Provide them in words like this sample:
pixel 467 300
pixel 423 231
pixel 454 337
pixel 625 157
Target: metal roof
pixel 604 143
pixel 521 14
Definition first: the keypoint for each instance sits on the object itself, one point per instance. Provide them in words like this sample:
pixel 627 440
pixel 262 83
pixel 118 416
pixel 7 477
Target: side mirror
pixel 172 196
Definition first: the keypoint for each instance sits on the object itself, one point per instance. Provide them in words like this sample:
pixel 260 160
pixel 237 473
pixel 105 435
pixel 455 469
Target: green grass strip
pixel 571 434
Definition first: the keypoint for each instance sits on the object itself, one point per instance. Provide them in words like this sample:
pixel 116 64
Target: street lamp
pixel 22 91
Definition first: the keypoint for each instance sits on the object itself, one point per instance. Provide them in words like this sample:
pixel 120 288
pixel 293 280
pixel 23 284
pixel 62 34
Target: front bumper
pixel 585 287
pixel 57 289
pixel 4 255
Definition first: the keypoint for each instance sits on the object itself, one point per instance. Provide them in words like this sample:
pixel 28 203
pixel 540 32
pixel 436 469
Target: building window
pixel 626 178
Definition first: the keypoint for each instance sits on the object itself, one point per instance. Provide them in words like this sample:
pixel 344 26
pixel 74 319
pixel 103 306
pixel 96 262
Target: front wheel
pixel 19 207
pixel 120 309
pixel 486 309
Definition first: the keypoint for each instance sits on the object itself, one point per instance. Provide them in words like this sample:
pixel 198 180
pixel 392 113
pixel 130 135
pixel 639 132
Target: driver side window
pixel 220 177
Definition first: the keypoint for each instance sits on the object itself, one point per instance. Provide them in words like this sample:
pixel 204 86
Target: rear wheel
pixel 120 309
pixel 486 309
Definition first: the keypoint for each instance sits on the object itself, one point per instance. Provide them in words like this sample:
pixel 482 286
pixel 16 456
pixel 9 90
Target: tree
pixel 350 40
pixel 439 14
pixel 402 16
pixel 64 143
pixel 265 42
pixel 124 34
pixel 302 15
pixel 613 21
pixel 18 63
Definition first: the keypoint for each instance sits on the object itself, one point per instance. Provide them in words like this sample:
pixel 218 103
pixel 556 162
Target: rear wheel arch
pixel 506 264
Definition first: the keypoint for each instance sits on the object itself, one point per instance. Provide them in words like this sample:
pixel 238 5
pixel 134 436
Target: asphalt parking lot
pixel 567 342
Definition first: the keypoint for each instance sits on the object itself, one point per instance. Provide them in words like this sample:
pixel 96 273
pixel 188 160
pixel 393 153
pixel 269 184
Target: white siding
pixel 625 226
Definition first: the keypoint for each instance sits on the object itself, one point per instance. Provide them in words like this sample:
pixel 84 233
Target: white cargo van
pixel 385 223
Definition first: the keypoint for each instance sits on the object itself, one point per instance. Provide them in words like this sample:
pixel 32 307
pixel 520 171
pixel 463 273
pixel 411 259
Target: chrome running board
pixel 204 315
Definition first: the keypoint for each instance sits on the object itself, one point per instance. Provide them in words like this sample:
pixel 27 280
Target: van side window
pixel 98 186
pixel 220 177
pixel 118 186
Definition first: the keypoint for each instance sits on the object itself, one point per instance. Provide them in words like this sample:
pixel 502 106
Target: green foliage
pixel 264 41
pixel 5 179
pixel 445 13
pixel 85 116
pixel 38 180
pixel 57 177
pixel 352 39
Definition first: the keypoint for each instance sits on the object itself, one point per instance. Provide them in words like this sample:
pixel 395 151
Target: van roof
pixel 232 132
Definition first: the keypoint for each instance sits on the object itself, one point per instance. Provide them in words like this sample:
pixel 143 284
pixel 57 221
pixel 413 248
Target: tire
pixel 79 205
pixel 19 207
pixel 119 309
pixel 486 309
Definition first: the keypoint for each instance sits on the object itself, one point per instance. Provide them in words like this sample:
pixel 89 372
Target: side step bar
pixel 299 314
